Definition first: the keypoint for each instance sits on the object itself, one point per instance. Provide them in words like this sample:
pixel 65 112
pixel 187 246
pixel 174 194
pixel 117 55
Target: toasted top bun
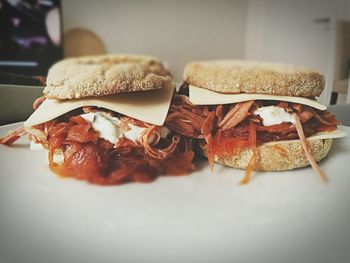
pixel 239 76
pixel 104 75
pixel 279 156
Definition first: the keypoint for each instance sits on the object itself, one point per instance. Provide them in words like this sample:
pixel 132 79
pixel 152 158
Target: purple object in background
pixel 30 36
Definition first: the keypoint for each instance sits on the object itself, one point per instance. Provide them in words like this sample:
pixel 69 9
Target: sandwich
pixel 255 115
pixel 101 120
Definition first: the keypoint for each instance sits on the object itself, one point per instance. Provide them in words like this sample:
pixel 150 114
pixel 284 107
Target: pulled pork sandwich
pixel 254 115
pixel 101 120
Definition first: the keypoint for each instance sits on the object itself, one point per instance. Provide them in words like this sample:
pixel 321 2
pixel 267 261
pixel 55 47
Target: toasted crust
pixel 238 76
pixel 104 75
pixel 279 156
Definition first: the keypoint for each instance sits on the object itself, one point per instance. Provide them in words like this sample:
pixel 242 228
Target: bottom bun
pixel 279 156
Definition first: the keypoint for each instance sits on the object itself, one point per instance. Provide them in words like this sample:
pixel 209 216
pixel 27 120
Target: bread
pixel 238 76
pixel 103 75
pixel 278 156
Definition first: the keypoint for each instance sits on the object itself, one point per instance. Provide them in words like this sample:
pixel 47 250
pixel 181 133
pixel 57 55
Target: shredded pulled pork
pixel 13 136
pixel 88 157
pixel 38 102
pixel 227 129
pixel 308 154
pixel 254 159
pixel 235 115
pixel 184 118
pixel 151 137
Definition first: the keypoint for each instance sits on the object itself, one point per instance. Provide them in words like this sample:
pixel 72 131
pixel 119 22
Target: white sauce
pixel 108 127
pixel 273 115
pixel 89 117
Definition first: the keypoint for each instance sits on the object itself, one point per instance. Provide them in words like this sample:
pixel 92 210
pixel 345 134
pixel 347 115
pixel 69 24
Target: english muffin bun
pixel 80 77
pixel 278 156
pixel 238 76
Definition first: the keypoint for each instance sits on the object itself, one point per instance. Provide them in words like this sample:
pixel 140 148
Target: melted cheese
pixel 339 133
pixel 147 106
pixel 200 96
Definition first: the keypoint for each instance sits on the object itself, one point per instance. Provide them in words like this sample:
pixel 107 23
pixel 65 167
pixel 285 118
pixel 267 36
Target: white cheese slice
pixel 148 106
pixel 339 133
pixel 200 96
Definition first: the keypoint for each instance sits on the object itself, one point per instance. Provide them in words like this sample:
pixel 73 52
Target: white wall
pixel 287 31
pixel 300 32
pixel 344 10
pixel 177 31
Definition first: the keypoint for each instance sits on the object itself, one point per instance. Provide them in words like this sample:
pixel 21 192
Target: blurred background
pixel 36 33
